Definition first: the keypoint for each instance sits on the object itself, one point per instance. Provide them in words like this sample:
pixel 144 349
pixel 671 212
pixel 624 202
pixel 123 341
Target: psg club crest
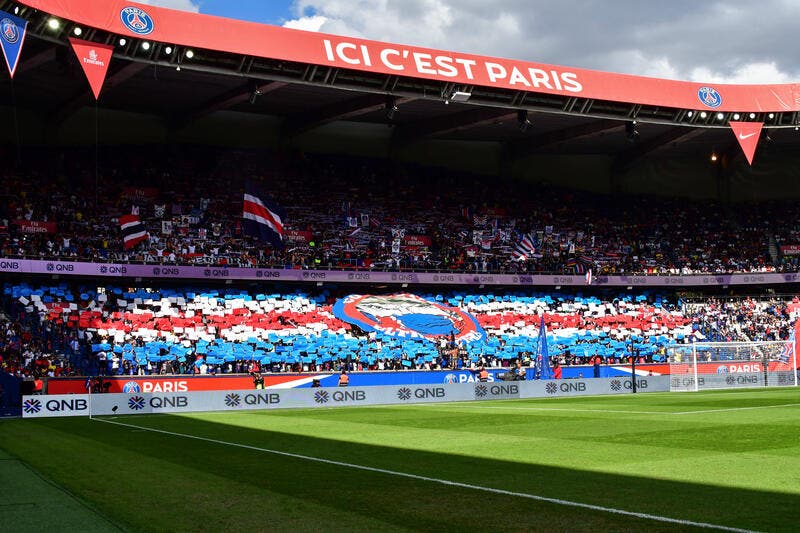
pixel 408 316
pixel 131 387
pixel 9 31
pixel 137 20
pixel 709 97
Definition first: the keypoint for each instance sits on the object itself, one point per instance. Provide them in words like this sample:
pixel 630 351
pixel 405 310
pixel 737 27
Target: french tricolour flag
pixel 263 218
pixel 133 231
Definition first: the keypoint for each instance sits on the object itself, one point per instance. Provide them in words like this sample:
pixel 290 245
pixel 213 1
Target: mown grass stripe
pixel 469 486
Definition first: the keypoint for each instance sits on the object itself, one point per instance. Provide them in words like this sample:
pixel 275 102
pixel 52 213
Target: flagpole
pixel 16 124
pixel 96 156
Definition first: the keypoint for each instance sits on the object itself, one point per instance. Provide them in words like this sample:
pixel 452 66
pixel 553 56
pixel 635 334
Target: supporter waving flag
pixel 262 217
pixel 133 231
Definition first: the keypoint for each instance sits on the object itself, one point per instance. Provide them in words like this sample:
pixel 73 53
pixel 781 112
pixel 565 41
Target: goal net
pixel 729 365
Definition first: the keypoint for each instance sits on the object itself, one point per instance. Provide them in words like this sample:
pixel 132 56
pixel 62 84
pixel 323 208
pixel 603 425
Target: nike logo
pixel 742 136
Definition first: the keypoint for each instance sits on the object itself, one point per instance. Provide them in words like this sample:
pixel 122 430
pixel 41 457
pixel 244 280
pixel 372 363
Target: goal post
pixel 731 365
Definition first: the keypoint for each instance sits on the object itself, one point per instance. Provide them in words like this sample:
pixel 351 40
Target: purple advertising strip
pixel 27 266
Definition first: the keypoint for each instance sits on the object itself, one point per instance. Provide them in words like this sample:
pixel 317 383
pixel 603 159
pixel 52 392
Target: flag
pixel 589 277
pixel 543 370
pixel 133 231
pixel 94 59
pixel 467 213
pixel 786 354
pixel 525 248
pixel 262 217
pixel 748 134
pixel 12 37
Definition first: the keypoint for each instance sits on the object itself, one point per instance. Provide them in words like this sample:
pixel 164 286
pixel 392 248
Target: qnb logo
pixel 481 391
pixel 404 393
pixel 136 403
pixel 709 97
pixel 321 397
pixel 137 20
pixel 32 407
pixel 232 400
pixel 616 385
pixel 551 388
pixel 9 31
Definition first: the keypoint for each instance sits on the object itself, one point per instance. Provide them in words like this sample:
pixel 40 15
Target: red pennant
pixel 747 133
pixel 94 58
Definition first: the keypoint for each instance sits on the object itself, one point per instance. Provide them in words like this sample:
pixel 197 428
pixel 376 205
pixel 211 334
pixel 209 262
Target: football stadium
pixel 259 278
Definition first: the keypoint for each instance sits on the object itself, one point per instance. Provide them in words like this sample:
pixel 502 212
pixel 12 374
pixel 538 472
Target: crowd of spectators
pixel 358 213
pixel 28 351
pixel 67 329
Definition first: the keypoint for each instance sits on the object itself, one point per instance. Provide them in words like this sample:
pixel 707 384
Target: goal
pixel 729 365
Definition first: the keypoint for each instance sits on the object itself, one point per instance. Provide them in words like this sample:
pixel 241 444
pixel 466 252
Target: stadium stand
pixel 111 330
pixel 417 219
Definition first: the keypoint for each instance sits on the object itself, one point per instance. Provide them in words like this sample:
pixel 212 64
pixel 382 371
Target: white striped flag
pixel 262 218
pixel 133 231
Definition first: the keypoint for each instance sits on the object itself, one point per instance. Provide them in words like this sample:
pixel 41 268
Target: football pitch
pixel 725 460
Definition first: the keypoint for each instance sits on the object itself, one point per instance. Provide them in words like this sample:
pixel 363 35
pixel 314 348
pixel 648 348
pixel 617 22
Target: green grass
pixel 691 456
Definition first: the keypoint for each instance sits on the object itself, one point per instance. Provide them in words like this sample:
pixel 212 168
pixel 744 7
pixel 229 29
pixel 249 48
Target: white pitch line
pixel 465 406
pixel 503 492
pixel 736 409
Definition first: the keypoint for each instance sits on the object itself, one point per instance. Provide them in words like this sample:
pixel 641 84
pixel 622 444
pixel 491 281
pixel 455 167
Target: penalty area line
pixel 450 483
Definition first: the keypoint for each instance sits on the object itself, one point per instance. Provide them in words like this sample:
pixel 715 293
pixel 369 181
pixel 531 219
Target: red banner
pixel 94 59
pixel 140 193
pixel 35 226
pixel 293 235
pixel 170 383
pixel 260 40
pixel 790 249
pixel 416 240
pixel 747 133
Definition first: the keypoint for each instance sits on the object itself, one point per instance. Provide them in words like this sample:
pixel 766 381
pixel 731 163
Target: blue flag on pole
pixel 12 37
pixel 543 370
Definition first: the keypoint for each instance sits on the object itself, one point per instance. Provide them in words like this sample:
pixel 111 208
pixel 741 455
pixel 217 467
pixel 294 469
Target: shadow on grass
pixel 159 480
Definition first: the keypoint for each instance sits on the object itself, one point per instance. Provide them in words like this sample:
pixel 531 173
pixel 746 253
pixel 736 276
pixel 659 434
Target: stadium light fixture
pixel 145 46
pixel 123 41
pixel 703 114
pixel 631 134
pixel 771 116
pixel 460 96
pixel 16 10
pixel 391 107
pixel 53 24
pixel 713 157
pixel 523 121
pixel 189 54
pixel 720 116
pixel 168 50
pixel 690 114
pixel 752 116
pixel 77 31
pixel 736 116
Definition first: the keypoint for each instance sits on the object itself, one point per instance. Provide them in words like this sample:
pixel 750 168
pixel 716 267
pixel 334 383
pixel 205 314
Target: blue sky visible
pixel 267 11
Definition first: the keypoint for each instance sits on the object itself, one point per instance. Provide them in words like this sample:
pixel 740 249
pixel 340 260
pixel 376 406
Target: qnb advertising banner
pixel 187 402
pixel 117 270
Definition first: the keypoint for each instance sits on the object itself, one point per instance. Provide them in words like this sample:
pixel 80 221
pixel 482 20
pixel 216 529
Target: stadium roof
pixel 196 65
